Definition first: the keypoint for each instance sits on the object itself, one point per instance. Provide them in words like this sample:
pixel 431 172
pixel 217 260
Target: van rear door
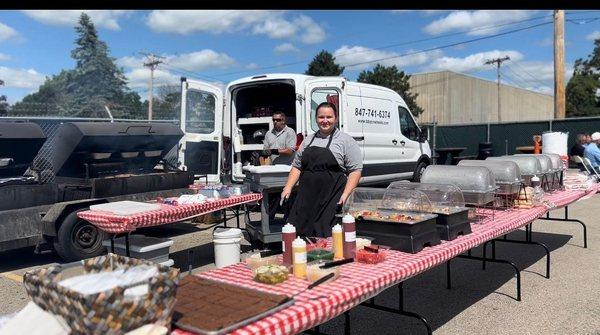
pixel 337 91
pixel 201 119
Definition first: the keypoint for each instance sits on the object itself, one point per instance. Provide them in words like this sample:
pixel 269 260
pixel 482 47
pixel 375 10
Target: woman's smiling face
pixel 326 119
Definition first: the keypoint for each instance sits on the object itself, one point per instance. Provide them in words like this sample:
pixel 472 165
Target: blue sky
pixel 221 46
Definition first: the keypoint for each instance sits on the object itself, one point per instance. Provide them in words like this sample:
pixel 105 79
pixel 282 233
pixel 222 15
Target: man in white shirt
pixel 280 142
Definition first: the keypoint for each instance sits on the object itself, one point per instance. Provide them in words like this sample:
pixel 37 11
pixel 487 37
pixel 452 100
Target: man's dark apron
pixel 321 185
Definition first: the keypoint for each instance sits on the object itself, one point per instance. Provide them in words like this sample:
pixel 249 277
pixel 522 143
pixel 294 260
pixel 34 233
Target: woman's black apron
pixel 321 185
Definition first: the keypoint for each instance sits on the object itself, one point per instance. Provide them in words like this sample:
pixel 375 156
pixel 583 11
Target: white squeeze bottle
pixel 349 229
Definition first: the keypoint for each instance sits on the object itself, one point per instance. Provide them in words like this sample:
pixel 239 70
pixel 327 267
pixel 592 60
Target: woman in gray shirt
pixel 328 166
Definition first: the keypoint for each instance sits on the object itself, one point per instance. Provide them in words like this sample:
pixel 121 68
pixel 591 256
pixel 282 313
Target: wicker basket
pixel 106 312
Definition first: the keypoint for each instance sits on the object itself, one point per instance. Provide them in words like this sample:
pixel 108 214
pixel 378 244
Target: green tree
pixel 95 82
pixel 3 104
pixel 324 65
pixel 390 77
pixel 583 87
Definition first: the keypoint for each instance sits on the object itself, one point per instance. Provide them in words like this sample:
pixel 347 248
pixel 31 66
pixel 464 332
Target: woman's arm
pixel 291 181
pixel 351 184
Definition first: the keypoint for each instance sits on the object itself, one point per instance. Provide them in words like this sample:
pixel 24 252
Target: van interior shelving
pixel 253 107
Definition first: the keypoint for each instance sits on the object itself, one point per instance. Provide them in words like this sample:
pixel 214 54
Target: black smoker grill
pixel 98 160
pixel 19 144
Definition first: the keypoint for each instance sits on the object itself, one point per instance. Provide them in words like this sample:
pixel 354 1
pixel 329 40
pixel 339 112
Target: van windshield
pixel 200 112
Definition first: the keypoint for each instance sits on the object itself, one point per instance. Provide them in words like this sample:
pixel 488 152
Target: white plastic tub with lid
pixel 227 243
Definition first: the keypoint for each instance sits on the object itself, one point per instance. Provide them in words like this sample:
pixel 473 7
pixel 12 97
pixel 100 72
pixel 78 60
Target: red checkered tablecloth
pixel 116 224
pixel 359 282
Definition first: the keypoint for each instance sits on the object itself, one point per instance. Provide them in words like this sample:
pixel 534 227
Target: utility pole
pixel 498 62
pixel 559 64
pixel 152 62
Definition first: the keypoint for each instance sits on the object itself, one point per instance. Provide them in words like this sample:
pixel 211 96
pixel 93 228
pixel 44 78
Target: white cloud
pixel 470 20
pixel 7 32
pixel 538 72
pixel 273 24
pixel 101 18
pixel 252 66
pixel 140 77
pixel 4 57
pixel 313 33
pixel 346 55
pixel 276 28
pixel 21 78
pixel 200 60
pixel 546 42
pixel 594 35
pixel 471 63
pixel 285 47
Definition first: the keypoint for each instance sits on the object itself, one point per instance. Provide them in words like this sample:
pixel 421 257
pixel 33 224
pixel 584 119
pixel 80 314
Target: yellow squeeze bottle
pixel 338 241
pixel 299 257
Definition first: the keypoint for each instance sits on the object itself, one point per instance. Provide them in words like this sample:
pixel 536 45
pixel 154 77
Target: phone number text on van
pixel 372 113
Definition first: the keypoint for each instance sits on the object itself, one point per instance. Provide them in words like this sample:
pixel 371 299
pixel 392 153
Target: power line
pixel 406 43
pixel 528 74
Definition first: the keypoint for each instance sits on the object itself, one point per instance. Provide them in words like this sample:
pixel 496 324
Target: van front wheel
pixel 419 172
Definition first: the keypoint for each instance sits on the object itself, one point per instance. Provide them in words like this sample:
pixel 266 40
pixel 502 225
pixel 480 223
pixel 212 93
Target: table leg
pixel 112 243
pixel 517 271
pixel 566 219
pixel 127 245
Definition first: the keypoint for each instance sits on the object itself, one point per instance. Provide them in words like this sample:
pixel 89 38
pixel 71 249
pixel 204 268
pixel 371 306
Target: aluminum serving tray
pixel 239 324
pixel 385 211
pixel 478 198
pixel 508 188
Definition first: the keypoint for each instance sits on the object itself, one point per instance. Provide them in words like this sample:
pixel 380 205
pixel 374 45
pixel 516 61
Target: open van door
pixel 200 149
pixel 328 89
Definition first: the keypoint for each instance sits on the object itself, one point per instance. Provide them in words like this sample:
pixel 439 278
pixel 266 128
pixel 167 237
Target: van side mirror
pixel 422 136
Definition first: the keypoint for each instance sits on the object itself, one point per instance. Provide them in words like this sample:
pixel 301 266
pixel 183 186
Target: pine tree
pixel 324 65
pixel 99 81
pixel 390 77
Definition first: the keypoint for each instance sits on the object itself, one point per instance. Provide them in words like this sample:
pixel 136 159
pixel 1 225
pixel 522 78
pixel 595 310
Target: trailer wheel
pixel 78 239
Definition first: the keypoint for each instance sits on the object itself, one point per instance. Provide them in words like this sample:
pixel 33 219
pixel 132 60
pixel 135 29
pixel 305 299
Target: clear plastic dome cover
pixel 545 161
pixel 370 199
pixel 444 198
pixel 504 172
pixel 528 165
pixel 466 178
pixel 377 204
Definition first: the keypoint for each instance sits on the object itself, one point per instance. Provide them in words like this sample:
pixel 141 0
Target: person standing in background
pixel 280 142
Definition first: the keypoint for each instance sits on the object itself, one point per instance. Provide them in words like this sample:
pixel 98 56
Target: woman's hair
pixel 326 105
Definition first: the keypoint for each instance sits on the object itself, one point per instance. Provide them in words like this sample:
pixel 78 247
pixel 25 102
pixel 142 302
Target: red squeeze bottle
pixel 288 234
pixel 349 230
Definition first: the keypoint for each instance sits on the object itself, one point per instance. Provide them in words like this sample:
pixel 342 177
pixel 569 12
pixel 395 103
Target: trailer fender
pixel 60 210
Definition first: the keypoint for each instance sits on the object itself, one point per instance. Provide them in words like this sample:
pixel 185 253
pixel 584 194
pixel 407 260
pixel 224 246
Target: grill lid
pixel 19 144
pixel 97 149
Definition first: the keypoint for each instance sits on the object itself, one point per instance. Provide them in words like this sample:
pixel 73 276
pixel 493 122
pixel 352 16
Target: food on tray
pixel 317 254
pixel 255 260
pixel 371 254
pixel 321 243
pixel 396 217
pixel 314 271
pixel 205 305
pixel 271 274
pixel 525 198
pixel 361 242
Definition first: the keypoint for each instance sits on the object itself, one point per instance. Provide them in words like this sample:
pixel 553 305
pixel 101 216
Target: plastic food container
pixel 254 261
pixel 370 257
pixel 271 274
pixel 529 166
pixel 314 272
pixel 361 242
pixel 507 174
pixel 476 182
pixel 318 254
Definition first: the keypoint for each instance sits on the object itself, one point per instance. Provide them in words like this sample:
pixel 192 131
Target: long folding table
pixel 360 283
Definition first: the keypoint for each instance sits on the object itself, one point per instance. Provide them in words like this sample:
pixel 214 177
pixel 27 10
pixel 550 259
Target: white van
pixel 222 129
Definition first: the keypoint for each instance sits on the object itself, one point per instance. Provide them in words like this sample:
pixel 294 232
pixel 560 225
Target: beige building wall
pixel 458 98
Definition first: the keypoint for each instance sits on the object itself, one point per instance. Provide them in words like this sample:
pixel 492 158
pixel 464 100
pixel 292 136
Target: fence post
pixel 433 144
pixel 550 124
